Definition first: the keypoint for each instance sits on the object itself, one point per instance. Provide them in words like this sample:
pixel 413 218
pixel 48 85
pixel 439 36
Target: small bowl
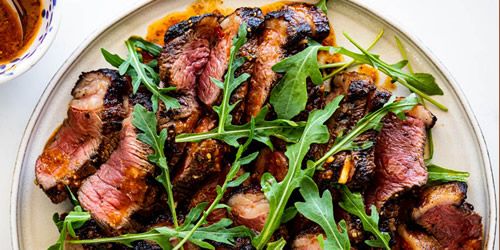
pixel 43 38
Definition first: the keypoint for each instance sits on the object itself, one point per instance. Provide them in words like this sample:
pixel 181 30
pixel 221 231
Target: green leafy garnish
pixel 278 193
pixel 440 174
pixel 146 122
pixel 140 72
pixel 276 245
pixel 74 220
pixel 218 232
pixel 230 82
pixel 353 204
pixel 345 65
pixel 320 210
pixel 422 84
pixel 289 97
pixel 368 122
pixel 322 6
pixel 229 181
pixel 286 130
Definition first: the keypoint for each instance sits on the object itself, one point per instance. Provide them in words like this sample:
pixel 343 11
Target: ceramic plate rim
pixel 385 18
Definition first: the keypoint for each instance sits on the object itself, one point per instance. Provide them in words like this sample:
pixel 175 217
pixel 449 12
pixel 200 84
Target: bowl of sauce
pixel 22 47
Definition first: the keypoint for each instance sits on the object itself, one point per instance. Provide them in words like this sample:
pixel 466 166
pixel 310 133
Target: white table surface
pixel 462 34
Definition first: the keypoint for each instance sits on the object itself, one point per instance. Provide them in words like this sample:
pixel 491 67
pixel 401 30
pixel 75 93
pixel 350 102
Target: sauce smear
pixel 10 44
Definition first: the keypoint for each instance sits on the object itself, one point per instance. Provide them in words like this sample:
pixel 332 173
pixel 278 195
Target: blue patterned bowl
pixel 44 37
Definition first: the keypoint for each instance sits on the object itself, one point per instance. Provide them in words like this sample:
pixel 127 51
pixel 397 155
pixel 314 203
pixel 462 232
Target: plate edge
pixel 383 17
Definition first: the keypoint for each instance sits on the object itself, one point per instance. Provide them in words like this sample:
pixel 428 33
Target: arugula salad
pixel 358 166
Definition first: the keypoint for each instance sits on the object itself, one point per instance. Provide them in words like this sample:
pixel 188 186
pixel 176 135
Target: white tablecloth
pixel 462 34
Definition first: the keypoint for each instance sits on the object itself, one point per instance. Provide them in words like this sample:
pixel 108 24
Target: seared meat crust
pixel 88 135
pixel 187 51
pixel 216 66
pixel 283 32
pixel 360 97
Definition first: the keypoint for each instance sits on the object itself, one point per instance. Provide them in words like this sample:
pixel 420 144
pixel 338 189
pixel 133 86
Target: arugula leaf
pixel 322 5
pixel 437 173
pixel 276 245
pixel 320 210
pixel 286 130
pixel 146 122
pixel 229 181
pixel 218 232
pixel 289 97
pixel 430 141
pixel 368 122
pixel 152 48
pixel 278 193
pixel 230 83
pixel 353 204
pixel 74 220
pixel 422 84
pixel 141 73
pixel 344 65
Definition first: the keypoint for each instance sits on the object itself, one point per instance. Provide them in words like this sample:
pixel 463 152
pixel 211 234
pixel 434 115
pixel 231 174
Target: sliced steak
pixel 443 213
pixel 283 32
pixel 201 160
pixel 187 51
pixel 399 157
pixel 179 121
pixel 415 240
pixel 249 207
pixel 274 162
pixel 87 136
pixel 355 168
pixel 453 193
pixel 307 242
pixel 118 188
pixel 217 64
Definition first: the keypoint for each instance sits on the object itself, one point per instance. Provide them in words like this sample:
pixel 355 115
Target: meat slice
pixel 87 136
pixel 399 157
pixel 249 208
pixel 447 194
pixel 283 32
pixel 415 240
pixel 217 64
pixel 179 121
pixel 444 215
pixel 202 159
pixel 354 168
pixel 118 188
pixel 274 162
pixel 307 241
pixel 187 50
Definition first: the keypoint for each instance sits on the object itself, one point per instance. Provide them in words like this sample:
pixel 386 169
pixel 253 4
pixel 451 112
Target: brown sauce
pixel 156 30
pixel 10 44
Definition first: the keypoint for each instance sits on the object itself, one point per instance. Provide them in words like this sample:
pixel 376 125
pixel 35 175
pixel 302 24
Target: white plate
pixel 458 140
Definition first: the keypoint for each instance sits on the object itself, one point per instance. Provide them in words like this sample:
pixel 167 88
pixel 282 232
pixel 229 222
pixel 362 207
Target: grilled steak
pixel 118 188
pixel 201 159
pixel 87 136
pixel 354 168
pixel 187 50
pixel 207 91
pixel 249 208
pixel 284 31
pixel 179 121
pixel 275 163
pixel 400 158
pixel 409 240
pixel 306 242
pixel 453 223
